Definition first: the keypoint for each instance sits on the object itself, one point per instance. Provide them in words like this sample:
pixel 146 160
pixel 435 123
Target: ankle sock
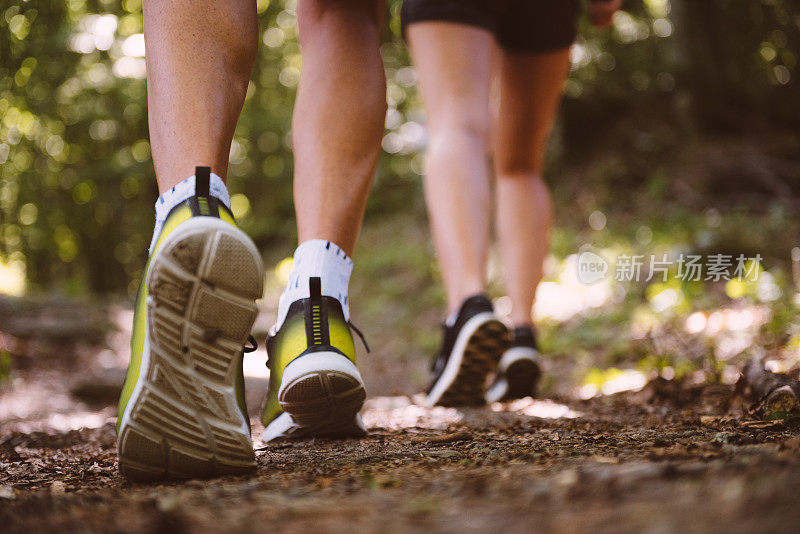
pixel 183 190
pixel 321 258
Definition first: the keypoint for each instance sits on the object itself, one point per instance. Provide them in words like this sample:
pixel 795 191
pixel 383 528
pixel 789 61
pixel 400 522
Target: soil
pixel 671 457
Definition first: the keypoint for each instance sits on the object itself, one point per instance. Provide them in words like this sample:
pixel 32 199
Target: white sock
pixel 325 260
pixel 183 190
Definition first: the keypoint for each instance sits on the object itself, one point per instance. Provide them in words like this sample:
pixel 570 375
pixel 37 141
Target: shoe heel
pixel 323 390
pixel 522 377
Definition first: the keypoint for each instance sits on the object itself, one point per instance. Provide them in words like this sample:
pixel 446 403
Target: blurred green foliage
pixel 77 184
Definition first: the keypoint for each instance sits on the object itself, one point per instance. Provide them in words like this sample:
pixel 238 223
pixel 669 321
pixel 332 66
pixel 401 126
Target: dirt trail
pixel 629 462
pixel 671 457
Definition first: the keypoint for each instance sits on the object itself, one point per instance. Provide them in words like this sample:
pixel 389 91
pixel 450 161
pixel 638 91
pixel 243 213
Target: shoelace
pixel 355 329
pixel 253 345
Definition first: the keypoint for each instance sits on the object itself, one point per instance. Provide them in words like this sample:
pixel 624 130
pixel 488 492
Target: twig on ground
pixel 772 395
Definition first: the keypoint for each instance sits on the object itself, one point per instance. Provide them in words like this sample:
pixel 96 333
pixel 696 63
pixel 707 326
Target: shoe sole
pixel 323 392
pixel 476 352
pixel 183 420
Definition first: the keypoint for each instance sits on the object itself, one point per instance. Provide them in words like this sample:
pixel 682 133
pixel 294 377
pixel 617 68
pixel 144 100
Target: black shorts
pixel 520 25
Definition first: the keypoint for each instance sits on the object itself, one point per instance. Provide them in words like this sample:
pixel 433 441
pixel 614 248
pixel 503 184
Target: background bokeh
pixel 679 132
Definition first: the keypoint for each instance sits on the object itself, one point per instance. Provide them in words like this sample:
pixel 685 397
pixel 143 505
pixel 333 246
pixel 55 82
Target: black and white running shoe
pixel 518 371
pixel 470 351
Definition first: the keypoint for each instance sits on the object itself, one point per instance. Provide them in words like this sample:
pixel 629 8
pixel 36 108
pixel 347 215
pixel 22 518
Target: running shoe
pixel 315 389
pixel 471 348
pixel 518 371
pixel 182 413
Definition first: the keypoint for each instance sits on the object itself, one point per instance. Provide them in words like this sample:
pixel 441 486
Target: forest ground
pixel 670 457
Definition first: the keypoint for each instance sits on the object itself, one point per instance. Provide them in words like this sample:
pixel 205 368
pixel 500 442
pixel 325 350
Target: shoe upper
pixel 200 205
pixel 312 324
pixel 518 370
pixel 524 336
pixel 522 345
pixel 469 309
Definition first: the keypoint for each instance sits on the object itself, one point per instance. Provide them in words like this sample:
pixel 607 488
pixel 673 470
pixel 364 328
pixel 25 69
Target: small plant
pixel 5 365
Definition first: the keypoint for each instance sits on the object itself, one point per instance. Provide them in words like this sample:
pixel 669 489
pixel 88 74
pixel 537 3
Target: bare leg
pixel 530 88
pixel 199 57
pixel 453 62
pixel 338 117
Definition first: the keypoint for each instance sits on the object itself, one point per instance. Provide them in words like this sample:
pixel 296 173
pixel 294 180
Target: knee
pixel 513 162
pixel 241 49
pixel 313 15
pixel 472 128
pixel 521 150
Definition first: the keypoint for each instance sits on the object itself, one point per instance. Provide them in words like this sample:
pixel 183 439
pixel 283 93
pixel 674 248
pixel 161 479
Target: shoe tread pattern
pixel 186 423
pixel 481 355
pixel 324 403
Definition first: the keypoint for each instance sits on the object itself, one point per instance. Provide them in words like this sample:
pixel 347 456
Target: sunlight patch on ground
pixel 31 407
pixel 119 340
pixel 542 408
pixel 73 421
pixel 395 413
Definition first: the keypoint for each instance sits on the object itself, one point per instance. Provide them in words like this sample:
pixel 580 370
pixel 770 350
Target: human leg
pixel 453 63
pixel 530 87
pixel 199 58
pixel 338 118
pixel 315 388
pixel 181 412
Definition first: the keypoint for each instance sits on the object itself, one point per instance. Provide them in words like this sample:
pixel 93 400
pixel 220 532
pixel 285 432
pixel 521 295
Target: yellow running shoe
pixel 182 412
pixel 315 389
